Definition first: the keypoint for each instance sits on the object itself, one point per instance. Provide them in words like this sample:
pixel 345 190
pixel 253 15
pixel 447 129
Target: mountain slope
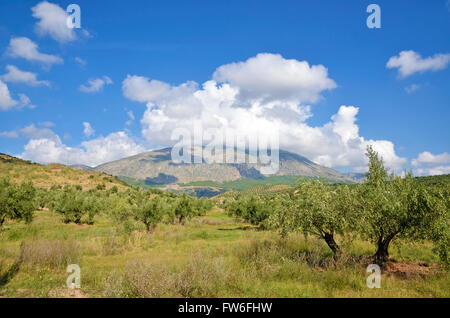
pixel 45 176
pixel 156 167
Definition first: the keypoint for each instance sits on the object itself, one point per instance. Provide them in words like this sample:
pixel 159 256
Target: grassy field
pixel 209 256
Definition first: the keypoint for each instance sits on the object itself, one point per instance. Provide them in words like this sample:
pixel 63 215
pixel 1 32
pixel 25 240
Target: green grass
pixel 210 256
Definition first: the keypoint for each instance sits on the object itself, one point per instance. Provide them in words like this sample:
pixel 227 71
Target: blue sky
pixel 175 42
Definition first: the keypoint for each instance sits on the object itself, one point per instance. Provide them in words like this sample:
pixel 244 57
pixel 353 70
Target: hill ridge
pixel 156 167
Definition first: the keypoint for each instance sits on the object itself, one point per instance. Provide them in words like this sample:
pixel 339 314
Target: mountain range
pixel 157 168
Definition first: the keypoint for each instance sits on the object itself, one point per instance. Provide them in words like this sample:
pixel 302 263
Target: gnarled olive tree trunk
pixel 329 239
pixel 382 254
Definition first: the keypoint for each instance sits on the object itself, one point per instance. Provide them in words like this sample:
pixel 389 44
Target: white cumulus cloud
pixel 88 130
pixel 33 132
pixel 52 21
pixel 23 47
pixel 272 77
pixel 6 101
pixel 15 75
pixel 427 163
pixel 92 152
pixel 432 171
pixel 246 104
pixel 253 97
pixel 95 85
pixel 24 101
pixel 410 62
pixel 428 157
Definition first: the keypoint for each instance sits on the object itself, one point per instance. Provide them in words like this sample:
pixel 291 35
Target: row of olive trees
pixel 381 210
pixel 150 207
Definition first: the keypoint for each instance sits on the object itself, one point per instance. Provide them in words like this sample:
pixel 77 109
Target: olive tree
pixel 74 204
pixel 119 208
pixel 391 207
pixel 202 205
pixel 236 207
pixel 251 208
pixel 149 211
pixel 321 210
pixel 17 202
pixel 183 208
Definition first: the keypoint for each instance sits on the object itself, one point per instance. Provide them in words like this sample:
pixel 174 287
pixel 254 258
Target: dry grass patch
pixel 50 253
pixel 201 276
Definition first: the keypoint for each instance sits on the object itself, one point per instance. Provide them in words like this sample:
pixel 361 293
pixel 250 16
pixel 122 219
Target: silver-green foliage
pixel 391 207
pixel 17 202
